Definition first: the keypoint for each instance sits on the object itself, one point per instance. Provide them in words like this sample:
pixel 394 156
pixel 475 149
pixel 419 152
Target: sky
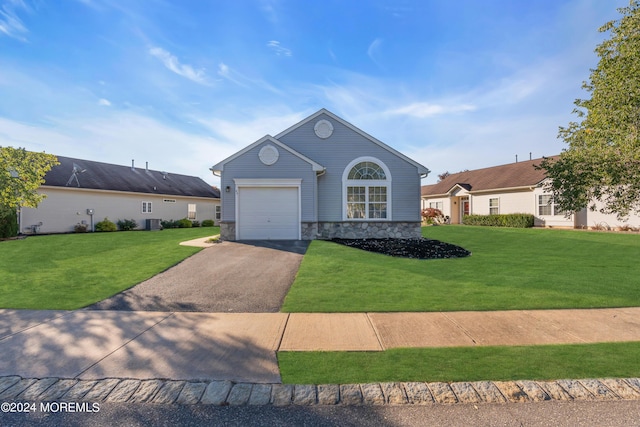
pixel 184 84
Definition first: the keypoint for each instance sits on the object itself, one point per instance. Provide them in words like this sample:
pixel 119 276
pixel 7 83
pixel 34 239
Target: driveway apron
pixel 240 277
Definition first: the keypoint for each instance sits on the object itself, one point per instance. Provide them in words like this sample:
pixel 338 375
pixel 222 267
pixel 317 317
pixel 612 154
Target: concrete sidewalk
pixel 241 347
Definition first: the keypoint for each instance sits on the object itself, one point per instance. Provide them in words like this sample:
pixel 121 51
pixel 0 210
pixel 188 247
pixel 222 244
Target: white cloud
pixel 241 80
pixel 227 73
pixel 117 137
pixel 425 109
pixel 173 64
pixel 279 49
pixel 104 102
pixel 372 51
pixel 244 130
pixel 10 24
pixel 269 8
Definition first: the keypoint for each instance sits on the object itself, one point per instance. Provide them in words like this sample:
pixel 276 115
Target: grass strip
pixel 452 364
pixel 70 271
pixel 509 269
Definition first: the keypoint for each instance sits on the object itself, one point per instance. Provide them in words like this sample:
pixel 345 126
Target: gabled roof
pixel 218 167
pixel 509 176
pixel 106 176
pixel 421 169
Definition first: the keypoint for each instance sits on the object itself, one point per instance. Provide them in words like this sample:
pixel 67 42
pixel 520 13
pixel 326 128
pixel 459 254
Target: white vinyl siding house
pixel 509 189
pixel 494 206
pixel 348 184
pixel 115 192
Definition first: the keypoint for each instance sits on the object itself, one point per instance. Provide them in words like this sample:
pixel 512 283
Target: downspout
pixel 318 174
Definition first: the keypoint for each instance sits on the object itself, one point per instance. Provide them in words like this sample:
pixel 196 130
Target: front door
pixel 464 208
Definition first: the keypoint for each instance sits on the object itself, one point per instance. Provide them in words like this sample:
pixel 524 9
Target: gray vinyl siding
pixel 249 166
pixel 340 149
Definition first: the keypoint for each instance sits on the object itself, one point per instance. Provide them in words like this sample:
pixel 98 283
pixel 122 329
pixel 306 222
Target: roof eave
pixel 219 167
pixel 494 190
pixel 435 195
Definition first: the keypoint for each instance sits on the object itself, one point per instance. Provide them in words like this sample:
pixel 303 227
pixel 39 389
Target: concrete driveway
pixel 248 277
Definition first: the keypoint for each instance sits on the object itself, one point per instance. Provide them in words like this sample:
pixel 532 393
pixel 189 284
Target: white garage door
pixel 268 213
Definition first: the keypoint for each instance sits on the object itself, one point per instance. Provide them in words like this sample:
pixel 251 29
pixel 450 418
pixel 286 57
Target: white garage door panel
pixel 268 213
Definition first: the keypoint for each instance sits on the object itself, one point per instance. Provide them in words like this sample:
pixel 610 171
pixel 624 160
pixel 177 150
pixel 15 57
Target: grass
pixel 463 364
pixel 508 269
pixel 71 271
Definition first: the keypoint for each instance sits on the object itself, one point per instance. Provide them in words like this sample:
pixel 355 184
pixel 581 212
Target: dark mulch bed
pixel 407 248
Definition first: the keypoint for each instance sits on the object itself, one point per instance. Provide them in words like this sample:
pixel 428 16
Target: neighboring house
pixel 511 188
pixel 320 178
pixel 85 192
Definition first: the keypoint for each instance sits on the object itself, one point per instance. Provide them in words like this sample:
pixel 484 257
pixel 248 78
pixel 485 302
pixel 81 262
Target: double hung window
pixel 367 189
pixel 547 207
pixel 494 206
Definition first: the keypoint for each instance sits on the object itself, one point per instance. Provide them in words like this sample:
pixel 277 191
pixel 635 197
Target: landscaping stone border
pixel 228 393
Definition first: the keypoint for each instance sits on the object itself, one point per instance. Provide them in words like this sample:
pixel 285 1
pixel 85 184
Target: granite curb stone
pixel 57 390
pixel 223 393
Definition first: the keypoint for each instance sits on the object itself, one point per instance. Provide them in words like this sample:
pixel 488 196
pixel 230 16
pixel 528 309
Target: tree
pixel 21 174
pixel 602 161
pixel 443 175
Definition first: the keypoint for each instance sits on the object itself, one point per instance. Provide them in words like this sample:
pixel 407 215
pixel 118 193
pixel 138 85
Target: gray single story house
pixel 321 178
pixel 85 192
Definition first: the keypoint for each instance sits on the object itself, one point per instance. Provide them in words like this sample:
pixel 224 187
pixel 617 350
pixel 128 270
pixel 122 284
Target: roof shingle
pixel 512 175
pixel 106 176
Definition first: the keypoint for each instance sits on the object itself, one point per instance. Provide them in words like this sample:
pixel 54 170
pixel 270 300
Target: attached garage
pixel 276 189
pixel 267 211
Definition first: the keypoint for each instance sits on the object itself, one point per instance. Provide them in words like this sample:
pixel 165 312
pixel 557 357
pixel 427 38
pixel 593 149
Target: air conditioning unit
pixel 153 224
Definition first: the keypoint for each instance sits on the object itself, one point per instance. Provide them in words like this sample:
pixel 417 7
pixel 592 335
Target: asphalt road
pixel 247 277
pixel 591 413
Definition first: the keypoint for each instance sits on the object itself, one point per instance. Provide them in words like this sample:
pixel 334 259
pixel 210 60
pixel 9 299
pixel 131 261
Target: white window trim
pixel 551 205
pixel 346 182
pixel 498 206
pixel 148 206
pixel 195 211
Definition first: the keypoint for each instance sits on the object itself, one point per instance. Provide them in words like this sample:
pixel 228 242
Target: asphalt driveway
pixel 248 277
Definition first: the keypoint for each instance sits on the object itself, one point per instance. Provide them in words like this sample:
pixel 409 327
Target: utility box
pixel 153 225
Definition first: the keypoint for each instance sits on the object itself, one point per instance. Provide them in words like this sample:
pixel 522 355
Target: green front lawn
pixel 70 271
pixel 547 362
pixel 509 269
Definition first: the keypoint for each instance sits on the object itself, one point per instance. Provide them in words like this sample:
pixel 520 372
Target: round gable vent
pixel 268 155
pixel 323 129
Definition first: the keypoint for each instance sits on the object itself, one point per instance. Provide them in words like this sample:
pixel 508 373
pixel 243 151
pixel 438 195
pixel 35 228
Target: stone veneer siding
pixel 309 230
pixel 344 230
pixel 227 230
pixel 369 230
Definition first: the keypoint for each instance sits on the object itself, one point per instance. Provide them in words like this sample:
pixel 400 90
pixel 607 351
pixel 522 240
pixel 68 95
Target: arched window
pixel 367 190
pixel 367 170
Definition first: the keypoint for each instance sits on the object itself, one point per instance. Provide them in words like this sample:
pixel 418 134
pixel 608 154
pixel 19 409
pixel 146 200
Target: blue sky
pixel 183 84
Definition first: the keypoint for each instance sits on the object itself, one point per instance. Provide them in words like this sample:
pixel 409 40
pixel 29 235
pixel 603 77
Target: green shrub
pixel 195 223
pixel 184 223
pixel 8 223
pixel 80 228
pixel 169 224
pixel 507 220
pixel 106 225
pixel 208 223
pixel 127 224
